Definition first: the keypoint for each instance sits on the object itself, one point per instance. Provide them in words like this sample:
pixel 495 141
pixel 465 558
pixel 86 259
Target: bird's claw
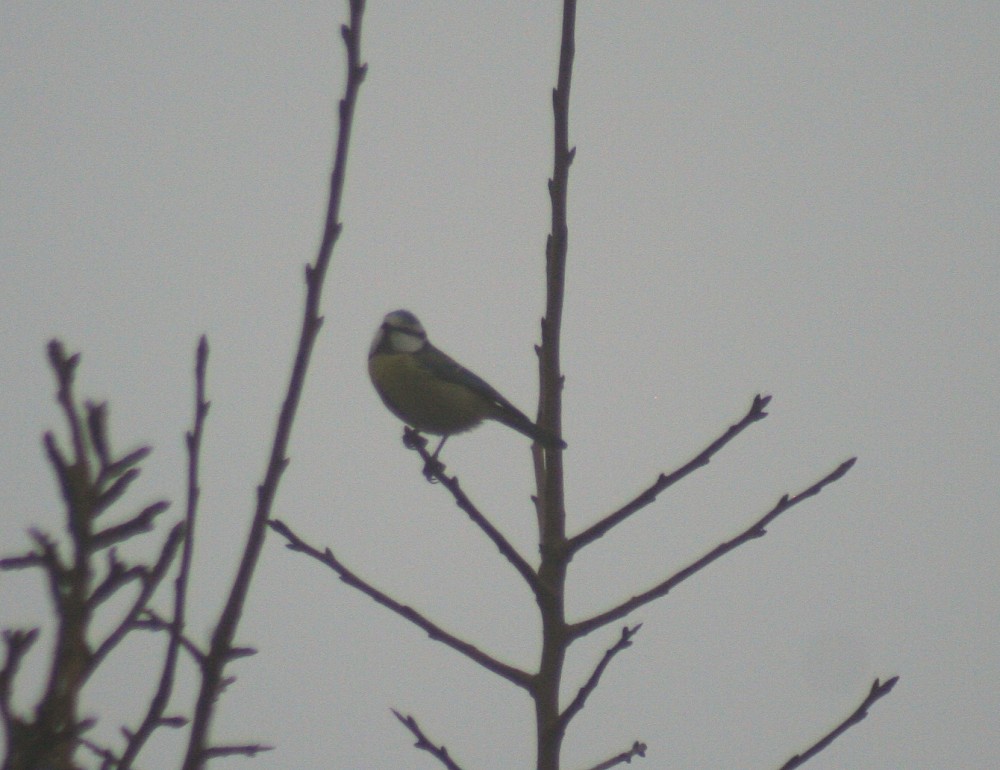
pixel 432 468
pixel 412 439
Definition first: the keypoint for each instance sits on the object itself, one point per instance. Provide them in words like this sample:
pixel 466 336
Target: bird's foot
pixel 412 438
pixel 432 468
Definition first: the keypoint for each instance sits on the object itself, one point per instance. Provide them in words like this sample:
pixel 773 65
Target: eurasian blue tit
pixel 431 392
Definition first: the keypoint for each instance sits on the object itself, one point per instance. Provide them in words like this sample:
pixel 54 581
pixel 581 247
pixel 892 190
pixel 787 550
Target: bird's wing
pixel 444 366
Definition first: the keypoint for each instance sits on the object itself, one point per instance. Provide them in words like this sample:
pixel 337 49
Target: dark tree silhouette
pixel 83 569
pixel 547 582
pixel 92 480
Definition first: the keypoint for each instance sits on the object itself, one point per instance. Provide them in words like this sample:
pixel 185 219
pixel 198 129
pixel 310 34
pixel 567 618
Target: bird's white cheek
pixel 404 343
pixel 379 336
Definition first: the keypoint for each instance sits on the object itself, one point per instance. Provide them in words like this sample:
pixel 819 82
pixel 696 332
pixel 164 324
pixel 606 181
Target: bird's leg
pixel 433 465
pixel 412 438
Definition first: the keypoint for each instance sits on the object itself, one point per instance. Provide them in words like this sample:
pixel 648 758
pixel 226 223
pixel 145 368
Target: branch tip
pixel 423 743
pixel 878 690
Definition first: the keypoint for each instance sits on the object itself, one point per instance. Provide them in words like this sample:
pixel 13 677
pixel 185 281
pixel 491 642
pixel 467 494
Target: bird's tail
pixel 547 438
pixel 519 422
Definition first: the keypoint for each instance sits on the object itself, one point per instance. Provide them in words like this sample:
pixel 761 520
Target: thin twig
pixel 108 497
pixel 24 561
pixel 158 703
pixel 118 467
pixel 117 577
pixel 878 690
pixel 141 522
pixel 150 581
pixel 589 535
pixel 625 640
pixel 625 758
pixel 508 672
pixel 65 369
pixel 423 743
pixel 107 756
pixel 435 471
pixel 755 530
pixel 249 750
pixel 17 643
pixel 212 670
pixel 97 428
pixel 150 621
pixel 55 571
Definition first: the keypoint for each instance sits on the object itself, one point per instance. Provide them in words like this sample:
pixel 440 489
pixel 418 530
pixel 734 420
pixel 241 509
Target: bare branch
pixel 65 369
pixel 508 672
pixel 151 579
pixel 141 522
pixel 878 690
pixel 118 576
pixel 589 535
pixel 121 473
pixel 435 471
pixel 118 487
pixel 250 750
pixel 48 557
pixel 17 644
pixel 150 621
pixel 755 530
pixel 158 703
pixel 53 734
pixel 550 497
pixel 24 561
pixel 118 467
pixel 97 428
pixel 108 757
pixel 315 274
pixel 625 758
pixel 422 743
pixel 66 472
pixel 581 697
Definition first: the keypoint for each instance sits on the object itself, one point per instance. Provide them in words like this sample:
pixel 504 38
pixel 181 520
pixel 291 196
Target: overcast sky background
pixel 794 199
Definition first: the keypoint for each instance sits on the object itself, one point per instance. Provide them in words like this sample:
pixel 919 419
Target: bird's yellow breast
pixel 422 400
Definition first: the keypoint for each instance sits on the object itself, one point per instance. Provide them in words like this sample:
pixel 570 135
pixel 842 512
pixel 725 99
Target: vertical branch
pixel 154 715
pixel 91 482
pixel 549 474
pixel 56 725
pixel 221 645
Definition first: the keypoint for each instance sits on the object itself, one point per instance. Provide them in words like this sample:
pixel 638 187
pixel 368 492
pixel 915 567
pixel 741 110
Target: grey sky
pixel 782 198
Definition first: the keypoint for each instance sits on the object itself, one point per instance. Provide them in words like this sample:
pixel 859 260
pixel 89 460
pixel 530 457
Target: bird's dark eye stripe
pixel 420 335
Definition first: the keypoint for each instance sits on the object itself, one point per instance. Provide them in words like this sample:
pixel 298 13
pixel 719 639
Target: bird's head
pixel 400 332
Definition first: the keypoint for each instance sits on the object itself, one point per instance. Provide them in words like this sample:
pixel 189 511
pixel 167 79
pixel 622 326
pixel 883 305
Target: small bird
pixel 431 392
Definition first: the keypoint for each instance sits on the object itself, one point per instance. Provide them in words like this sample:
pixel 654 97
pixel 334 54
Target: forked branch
pixel 92 481
pixel 151 577
pixel 435 471
pixel 589 535
pixel 508 672
pixel 755 530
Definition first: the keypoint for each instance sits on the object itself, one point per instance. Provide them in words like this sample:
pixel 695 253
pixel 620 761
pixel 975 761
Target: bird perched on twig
pixel 431 392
